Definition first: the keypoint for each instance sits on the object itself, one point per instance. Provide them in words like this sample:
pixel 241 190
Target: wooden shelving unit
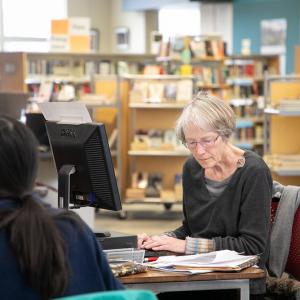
pixel 245 75
pixel 282 145
pixel 23 71
pixel 148 114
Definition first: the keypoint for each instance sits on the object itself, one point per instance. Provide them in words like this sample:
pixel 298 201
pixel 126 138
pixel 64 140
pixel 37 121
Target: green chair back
pixel 115 295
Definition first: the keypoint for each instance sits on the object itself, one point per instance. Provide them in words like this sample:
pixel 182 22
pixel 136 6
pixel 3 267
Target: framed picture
pixel 273 36
pixel 95 39
pixel 122 38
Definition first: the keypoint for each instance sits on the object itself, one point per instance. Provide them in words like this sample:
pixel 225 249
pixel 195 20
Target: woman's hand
pixel 142 238
pixel 164 243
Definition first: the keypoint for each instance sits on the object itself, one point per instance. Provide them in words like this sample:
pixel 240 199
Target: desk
pixel 160 282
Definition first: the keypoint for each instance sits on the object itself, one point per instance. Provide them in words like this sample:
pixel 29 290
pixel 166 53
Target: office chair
pixel 293 262
pixel 288 286
pixel 115 295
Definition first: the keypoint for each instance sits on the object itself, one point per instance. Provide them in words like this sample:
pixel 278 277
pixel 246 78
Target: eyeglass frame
pixel 193 145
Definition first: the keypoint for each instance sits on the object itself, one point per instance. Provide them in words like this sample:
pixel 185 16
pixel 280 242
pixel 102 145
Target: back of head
pixel 32 232
pixel 208 113
pixel 18 163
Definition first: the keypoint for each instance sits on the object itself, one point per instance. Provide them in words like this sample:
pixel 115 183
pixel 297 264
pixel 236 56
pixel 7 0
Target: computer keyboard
pixel 151 253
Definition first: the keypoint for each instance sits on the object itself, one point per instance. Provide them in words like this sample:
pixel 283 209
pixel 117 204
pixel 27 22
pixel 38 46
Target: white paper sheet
pixel 65 112
pixel 222 258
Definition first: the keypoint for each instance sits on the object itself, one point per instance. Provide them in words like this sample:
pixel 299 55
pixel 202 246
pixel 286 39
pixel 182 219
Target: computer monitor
pixel 13 104
pixel 85 170
pixel 36 122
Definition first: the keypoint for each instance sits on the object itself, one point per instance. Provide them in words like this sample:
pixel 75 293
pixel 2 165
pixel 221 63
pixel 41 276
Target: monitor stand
pixel 64 192
pixel 64 175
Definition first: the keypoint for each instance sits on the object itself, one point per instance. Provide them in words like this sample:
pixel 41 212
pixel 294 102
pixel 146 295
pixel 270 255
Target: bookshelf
pixel 200 56
pixel 25 71
pixel 282 123
pixel 245 76
pixel 155 157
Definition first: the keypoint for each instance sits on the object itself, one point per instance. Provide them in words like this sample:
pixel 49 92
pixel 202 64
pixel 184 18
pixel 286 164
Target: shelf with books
pixel 193 60
pixel 249 70
pixel 155 156
pixel 201 47
pixel 75 68
pixel 202 56
pixel 249 124
pixel 251 66
pixel 282 123
pixel 38 79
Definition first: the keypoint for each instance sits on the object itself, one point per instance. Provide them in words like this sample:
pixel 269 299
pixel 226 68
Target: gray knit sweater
pixel 239 219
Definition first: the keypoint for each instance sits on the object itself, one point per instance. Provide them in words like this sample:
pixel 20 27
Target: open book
pixel 223 260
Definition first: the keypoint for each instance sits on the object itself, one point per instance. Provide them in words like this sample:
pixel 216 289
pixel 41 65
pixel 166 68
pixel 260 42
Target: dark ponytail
pixel 34 236
pixel 39 248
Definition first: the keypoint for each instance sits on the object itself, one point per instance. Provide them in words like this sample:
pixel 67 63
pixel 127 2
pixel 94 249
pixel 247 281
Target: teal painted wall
pixel 247 15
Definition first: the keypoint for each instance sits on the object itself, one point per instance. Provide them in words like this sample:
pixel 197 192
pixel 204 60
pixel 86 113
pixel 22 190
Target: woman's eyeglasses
pixel 205 143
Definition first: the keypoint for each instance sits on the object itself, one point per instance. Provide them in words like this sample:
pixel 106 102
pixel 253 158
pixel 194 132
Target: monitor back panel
pixel 12 104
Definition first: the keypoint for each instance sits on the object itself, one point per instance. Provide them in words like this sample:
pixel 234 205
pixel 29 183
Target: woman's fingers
pixel 142 238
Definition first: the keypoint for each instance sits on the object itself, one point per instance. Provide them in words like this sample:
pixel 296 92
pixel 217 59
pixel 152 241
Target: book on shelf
pixel 259 69
pixel 184 90
pixel 208 48
pixel 164 50
pixel 198 48
pixel 155 92
pixel 178 190
pixel 139 180
pixel 170 91
pixel 139 92
pixel 176 46
pixel 152 70
pixel 186 69
pixel 104 68
pixel 154 186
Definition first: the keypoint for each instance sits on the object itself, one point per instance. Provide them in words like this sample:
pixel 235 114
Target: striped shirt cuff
pixel 198 245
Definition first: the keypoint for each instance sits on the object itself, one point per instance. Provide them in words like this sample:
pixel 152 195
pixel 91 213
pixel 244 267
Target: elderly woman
pixel 226 190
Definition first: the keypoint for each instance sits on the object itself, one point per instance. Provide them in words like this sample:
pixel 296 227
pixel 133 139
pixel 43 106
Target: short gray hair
pixel 208 113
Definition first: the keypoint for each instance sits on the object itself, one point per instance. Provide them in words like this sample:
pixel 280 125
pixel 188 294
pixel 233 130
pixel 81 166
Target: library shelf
pixel 282 123
pixel 274 111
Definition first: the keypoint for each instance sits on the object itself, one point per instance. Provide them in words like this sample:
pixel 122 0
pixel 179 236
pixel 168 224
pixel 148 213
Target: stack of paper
pixel 224 260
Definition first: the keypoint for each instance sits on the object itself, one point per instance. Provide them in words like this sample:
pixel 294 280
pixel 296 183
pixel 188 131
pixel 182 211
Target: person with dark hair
pixel 44 252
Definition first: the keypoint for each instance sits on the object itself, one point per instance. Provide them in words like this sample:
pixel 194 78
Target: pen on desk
pixel 150 259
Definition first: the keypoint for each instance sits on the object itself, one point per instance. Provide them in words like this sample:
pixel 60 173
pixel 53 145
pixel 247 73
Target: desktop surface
pixel 159 276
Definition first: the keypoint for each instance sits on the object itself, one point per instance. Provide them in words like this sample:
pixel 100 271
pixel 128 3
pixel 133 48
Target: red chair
pixel 293 262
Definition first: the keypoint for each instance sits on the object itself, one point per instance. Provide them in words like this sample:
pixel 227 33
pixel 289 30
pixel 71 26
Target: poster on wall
pixel 273 38
pixel 122 38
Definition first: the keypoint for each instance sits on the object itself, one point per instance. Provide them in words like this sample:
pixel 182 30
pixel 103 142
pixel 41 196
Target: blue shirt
pixel 89 268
